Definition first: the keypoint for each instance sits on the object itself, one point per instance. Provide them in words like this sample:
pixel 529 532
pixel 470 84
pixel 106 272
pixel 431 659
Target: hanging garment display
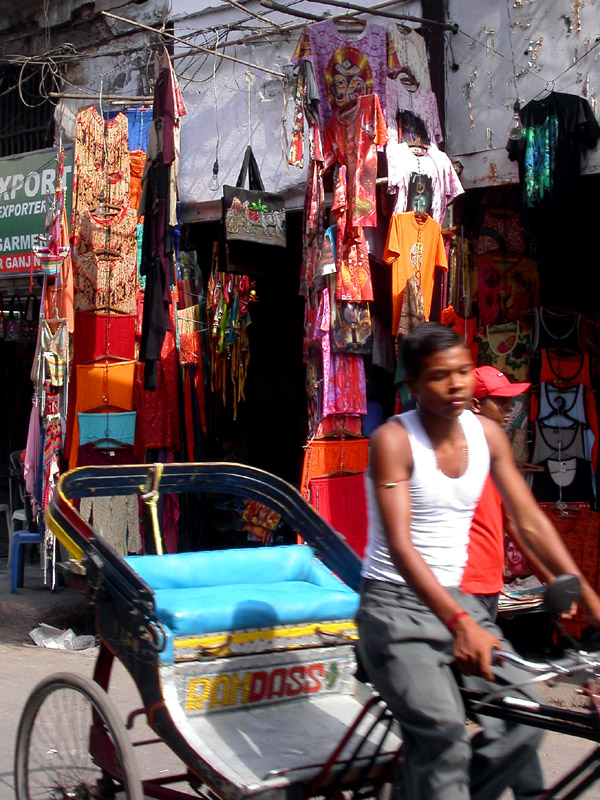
pixel 413 310
pixel 100 429
pixel 500 230
pixel 346 67
pixel 414 247
pixel 353 271
pixel 57 292
pixel 508 285
pixel 558 129
pixel 106 262
pixel 565 369
pixel 103 387
pixel 158 410
pixel 411 52
pixel 559 406
pixel 344 389
pixel 104 336
pixel 227 300
pixel 407 164
pixel 351 139
pixel 351 327
pixel 51 253
pixel 306 105
pixel 566 441
pixel 101 161
pixel 412 114
pixel 329 457
pixel 569 480
pixel 507 347
pixel 158 206
pixel 556 328
pixel 106 283
pixel 341 500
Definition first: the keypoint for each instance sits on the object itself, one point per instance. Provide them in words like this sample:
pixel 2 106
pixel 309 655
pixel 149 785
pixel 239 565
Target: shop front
pixel 387 199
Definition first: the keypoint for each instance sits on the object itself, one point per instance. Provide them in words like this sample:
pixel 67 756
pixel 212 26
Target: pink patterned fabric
pixel 347 67
pixel 421 102
pixel 344 381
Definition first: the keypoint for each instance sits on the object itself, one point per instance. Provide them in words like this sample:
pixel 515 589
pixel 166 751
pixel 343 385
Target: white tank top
pixel 441 507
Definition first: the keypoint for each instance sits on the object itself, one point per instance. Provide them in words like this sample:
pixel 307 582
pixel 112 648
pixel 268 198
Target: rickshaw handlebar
pixel 576 661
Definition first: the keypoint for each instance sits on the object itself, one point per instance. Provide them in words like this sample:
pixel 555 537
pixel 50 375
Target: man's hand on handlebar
pixel 472 647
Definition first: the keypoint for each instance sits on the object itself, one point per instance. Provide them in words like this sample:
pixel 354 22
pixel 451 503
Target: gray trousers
pixel 407 653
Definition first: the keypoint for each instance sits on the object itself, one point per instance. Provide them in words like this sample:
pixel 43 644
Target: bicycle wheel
pixel 72 744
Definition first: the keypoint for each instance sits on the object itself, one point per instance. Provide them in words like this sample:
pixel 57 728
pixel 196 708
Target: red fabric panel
pixel 341 501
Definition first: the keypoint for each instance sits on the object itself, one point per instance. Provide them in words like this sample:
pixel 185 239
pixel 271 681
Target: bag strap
pixel 15 299
pixel 32 309
pixel 250 166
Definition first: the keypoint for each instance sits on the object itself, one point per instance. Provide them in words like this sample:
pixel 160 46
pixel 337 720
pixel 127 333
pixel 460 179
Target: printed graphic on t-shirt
pixel 348 76
pixel 420 193
pixel 540 159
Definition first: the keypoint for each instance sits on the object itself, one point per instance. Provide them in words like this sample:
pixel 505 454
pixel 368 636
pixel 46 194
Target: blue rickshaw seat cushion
pixel 228 590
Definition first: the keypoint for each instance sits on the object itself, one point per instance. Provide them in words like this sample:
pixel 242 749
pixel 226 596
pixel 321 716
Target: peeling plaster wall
pixel 547 37
pixel 271 105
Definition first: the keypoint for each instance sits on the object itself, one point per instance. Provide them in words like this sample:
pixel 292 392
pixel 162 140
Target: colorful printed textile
pixel 412 114
pixel 351 138
pixel 353 271
pixel 411 51
pixel 413 247
pixel 558 129
pixel 507 287
pixel 347 67
pixel 405 162
pixel 506 347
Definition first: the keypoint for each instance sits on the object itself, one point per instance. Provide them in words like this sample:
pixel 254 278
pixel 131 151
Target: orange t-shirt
pixel 401 252
pixel 485 555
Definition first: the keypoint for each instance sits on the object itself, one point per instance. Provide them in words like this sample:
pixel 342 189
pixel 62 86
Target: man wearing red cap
pixel 493 398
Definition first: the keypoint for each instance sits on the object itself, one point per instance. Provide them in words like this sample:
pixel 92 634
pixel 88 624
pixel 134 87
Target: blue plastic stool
pixel 17 565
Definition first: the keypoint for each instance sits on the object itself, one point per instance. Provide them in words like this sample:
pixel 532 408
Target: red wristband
pixel 455 617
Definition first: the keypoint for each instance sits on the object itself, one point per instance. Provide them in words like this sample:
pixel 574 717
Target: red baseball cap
pixel 490 382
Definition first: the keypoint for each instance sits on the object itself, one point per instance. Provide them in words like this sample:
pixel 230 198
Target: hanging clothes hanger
pixel 546 91
pixel 408 80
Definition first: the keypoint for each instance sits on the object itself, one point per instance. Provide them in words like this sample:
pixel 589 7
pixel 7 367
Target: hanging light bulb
pixel 213 183
pixel 515 129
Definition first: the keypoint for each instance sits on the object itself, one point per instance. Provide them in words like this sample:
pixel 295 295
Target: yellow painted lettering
pixel 197 693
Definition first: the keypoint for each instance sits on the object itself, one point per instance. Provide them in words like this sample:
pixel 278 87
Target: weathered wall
pixel 547 37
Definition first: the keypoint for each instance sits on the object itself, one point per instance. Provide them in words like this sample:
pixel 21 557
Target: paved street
pixel 22 666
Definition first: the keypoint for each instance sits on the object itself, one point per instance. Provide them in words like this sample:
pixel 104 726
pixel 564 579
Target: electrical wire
pixel 512 51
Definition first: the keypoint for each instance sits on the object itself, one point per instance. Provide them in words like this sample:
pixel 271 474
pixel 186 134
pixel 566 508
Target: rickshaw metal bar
pixel 354 757
pixel 584 784
pixel 154 788
pixel 374 756
pixel 103 667
pixel 144 742
pixel 132 716
pixel 575 727
pixel 149 494
pixel 237 479
pixel 273 773
pixel 577 770
pixel 318 779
